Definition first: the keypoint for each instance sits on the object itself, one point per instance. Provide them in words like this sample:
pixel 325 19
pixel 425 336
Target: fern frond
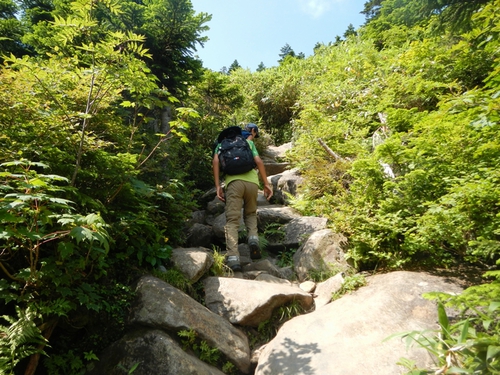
pixel 21 339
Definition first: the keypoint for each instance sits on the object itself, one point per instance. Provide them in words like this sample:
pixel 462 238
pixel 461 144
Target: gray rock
pixel 287 182
pixel 272 279
pixel 198 217
pixel 346 337
pixel 288 273
pixel 275 214
pixel 162 306
pixel 325 289
pixel 192 262
pixel 250 302
pixel 220 222
pixel 200 235
pixel 308 286
pixel 264 265
pixel 298 230
pixel 218 226
pixel 155 353
pixel 216 206
pixel 323 250
pixel 276 153
pixel 274 168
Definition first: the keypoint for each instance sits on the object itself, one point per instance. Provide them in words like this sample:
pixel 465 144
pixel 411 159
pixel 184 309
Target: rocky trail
pixel 348 336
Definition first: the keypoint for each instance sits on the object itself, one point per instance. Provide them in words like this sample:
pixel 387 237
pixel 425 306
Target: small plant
pixel 132 369
pixel 324 272
pixel 176 278
pixel 274 233
pixel 228 368
pixel 285 258
pixel 350 284
pixel 219 267
pixel 19 340
pixel 263 243
pixel 268 329
pixel 190 341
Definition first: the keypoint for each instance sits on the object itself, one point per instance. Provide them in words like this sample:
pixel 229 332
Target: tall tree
pixel 286 51
pixel 261 67
pixel 235 65
pixel 350 31
pixel 11 30
pixel 455 14
pixel 372 9
pixel 172 29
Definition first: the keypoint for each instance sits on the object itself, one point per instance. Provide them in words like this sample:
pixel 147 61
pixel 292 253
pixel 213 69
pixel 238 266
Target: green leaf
pixel 464 333
pixel 493 352
pixel 65 249
pixel 6 216
pixel 127 104
pixel 493 306
pixel 457 370
pixel 443 320
pixel 81 234
pixel 65 291
pixel 66 219
pixel 64 202
pixel 37 182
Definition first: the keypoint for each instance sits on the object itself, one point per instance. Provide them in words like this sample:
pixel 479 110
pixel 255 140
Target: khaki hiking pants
pixel 237 193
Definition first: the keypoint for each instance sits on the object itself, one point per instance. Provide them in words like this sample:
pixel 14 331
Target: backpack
pixel 235 154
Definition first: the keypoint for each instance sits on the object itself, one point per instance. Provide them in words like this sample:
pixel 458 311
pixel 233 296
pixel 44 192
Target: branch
pixel 8 274
pixel 331 152
pixel 165 138
pixel 33 362
pixel 84 126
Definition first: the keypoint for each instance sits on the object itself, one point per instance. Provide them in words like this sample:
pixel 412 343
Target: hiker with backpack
pixel 238 159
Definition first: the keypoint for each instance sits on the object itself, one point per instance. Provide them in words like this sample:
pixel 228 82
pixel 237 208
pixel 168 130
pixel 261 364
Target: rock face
pixel 347 336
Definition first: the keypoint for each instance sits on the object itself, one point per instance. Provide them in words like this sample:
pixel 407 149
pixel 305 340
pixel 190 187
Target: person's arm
pixel 215 168
pixel 268 190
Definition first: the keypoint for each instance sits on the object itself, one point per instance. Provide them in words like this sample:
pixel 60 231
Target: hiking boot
pixel 253 243
pixel 233 262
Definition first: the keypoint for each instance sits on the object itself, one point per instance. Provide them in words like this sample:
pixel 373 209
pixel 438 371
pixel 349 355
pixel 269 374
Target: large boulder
pixel 150 351
pixel 250 302
pixel 275 214
pixel 322 251
pixel 276 153
pixel 162 306
pixel 284 184
pixel 273 158
pixel 294 233
pixel 348 336
pixel 192 262
pixel 199 235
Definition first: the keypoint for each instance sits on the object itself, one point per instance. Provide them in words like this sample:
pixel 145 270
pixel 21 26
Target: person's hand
pixel 220 193
pixel 268 191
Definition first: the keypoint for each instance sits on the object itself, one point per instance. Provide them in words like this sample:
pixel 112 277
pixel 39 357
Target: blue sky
pixel 254 31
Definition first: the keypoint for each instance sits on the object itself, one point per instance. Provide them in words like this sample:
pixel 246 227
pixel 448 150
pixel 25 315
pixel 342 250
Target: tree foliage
pixel 83 173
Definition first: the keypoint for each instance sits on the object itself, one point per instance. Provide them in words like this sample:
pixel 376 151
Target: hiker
pixel 250 132
pixel 240 188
